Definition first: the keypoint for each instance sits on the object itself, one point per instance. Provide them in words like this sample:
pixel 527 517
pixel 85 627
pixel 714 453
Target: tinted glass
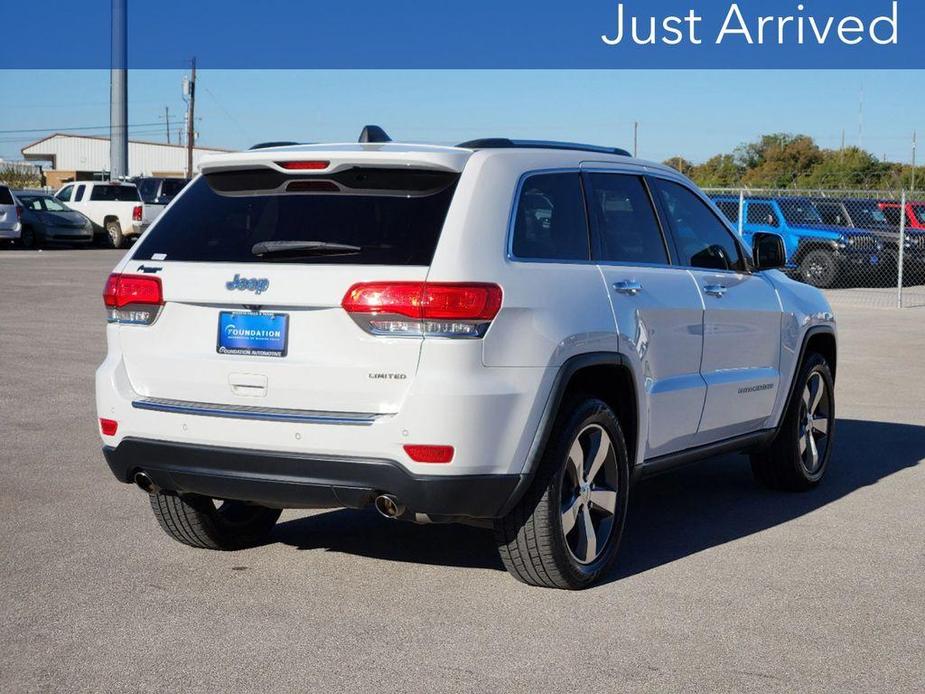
pixel 831 213
pixel 761 213
pixel 171 187
pixel 391 226
pixel 79 193
pixel 115 194
pixel 892 214
pixel 800 212
pixel 919 211
pixel 703 241
pixel 147 189
pixel 730 210
pixel 65 194
pixel 550 221
pixel 867 213
pixel 625 226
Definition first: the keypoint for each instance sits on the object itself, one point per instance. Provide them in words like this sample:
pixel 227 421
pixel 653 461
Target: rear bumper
pixel 290 480
pixel 12 234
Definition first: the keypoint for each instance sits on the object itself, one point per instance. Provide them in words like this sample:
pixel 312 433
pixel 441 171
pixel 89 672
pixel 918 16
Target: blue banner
pixel 395 34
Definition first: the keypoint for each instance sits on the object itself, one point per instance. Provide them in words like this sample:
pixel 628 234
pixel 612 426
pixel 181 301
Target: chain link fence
pixel 862 247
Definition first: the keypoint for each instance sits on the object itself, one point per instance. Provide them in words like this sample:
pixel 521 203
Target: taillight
pixel 133 299
pixel 304 165
pixel 137 213
pixel 109 427
pixel 430 454
pixel 18 212
pixel 423 308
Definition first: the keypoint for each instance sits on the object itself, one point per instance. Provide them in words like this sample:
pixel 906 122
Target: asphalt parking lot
pixel 722 586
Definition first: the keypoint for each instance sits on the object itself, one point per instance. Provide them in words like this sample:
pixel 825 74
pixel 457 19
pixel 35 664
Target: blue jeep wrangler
pixel 822 255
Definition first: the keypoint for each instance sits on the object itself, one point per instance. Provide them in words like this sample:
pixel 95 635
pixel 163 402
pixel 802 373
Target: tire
pixel 196 521
pixel 534 540
pixel 819 268
pixel 28 238
pixel 114 234
pixel 798 457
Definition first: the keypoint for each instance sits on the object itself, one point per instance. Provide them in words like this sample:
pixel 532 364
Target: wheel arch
pixel 817 339
pixel 606 375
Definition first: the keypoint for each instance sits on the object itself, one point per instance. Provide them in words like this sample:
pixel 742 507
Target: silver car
pixel 45 220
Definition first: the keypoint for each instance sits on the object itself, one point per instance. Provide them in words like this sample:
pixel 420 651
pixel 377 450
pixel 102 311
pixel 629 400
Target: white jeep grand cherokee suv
pixel 502 333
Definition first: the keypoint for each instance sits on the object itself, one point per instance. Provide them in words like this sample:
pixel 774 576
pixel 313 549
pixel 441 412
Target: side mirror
pixel 768 251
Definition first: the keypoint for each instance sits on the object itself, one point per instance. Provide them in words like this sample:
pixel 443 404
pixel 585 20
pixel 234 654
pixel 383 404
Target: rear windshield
pixel 5 197
pixel 363 216
pixel 115 193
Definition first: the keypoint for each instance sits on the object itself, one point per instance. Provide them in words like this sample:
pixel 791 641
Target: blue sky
pixel 690 113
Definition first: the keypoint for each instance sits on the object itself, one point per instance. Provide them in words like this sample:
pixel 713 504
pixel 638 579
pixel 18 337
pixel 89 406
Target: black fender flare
pixel 551 410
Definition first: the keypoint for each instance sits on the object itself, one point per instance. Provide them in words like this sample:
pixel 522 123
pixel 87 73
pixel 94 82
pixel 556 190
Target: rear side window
pixel 6 197
pixel 703 241
pixel 550 221
pixel 730 210
pixel 625 226
pixel 115 194
pixel 356 217
pixel 761 213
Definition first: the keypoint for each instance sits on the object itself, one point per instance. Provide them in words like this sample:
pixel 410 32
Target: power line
pixel 84 127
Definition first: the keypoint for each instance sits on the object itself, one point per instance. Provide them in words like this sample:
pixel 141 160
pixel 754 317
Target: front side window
pixel 868 213
pixel 892 215
pixel 762 213
pixel 550 221
pixel 64 195
pixel 625 226
pixel 703 241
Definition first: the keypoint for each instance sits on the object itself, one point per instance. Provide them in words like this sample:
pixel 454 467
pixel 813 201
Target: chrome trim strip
pixel 266 414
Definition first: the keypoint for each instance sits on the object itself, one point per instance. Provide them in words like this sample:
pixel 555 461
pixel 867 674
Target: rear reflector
pixel 109 427
pixel 430 454
pixel 437 309
pixel 304 165
pixel 133 298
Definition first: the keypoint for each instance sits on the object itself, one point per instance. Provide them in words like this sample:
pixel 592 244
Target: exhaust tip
pixel 389 507
pixel 145 483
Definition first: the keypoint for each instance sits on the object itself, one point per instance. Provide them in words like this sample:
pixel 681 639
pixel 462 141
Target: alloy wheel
pixel 590 482
pixel 814 423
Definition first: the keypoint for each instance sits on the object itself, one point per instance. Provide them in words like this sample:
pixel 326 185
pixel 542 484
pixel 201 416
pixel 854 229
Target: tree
pixel 848 168
pixel 19 175
pixel 777 161
pixel 680 164
pixel 721 171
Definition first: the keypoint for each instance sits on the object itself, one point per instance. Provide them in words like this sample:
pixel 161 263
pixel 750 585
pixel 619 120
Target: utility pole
pixel 118 94
pixel 635 139
pixel 914 144
pixel 167 119
pixel 190 120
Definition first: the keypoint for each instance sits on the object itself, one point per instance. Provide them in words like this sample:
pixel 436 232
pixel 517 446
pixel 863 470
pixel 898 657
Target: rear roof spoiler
pixel 505 143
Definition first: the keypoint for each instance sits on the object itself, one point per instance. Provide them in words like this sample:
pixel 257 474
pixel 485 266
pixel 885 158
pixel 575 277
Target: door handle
pixel 628 287
pixel 717 290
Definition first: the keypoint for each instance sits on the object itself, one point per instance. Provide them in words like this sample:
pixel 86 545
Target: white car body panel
pixel 691 354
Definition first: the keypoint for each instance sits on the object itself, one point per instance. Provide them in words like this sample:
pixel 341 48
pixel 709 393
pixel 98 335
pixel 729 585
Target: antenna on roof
pixel 373 133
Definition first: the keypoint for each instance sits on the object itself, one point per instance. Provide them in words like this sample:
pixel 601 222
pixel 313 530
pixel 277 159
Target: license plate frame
pixel 253 334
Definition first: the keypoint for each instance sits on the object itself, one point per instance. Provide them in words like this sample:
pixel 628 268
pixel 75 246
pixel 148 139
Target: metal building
pixel 86 157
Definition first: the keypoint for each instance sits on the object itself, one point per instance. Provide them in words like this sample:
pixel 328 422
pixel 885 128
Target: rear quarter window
pixel 389 217
pixel 550 222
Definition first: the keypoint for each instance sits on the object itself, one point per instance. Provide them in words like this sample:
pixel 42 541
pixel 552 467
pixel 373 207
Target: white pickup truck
pixel 115 208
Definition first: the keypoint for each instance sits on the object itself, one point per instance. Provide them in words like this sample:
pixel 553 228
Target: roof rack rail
pixel 267 145
pixel 505 143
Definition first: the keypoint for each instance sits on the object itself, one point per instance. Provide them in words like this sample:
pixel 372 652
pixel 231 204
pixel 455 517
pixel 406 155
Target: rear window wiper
pixel 290 249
